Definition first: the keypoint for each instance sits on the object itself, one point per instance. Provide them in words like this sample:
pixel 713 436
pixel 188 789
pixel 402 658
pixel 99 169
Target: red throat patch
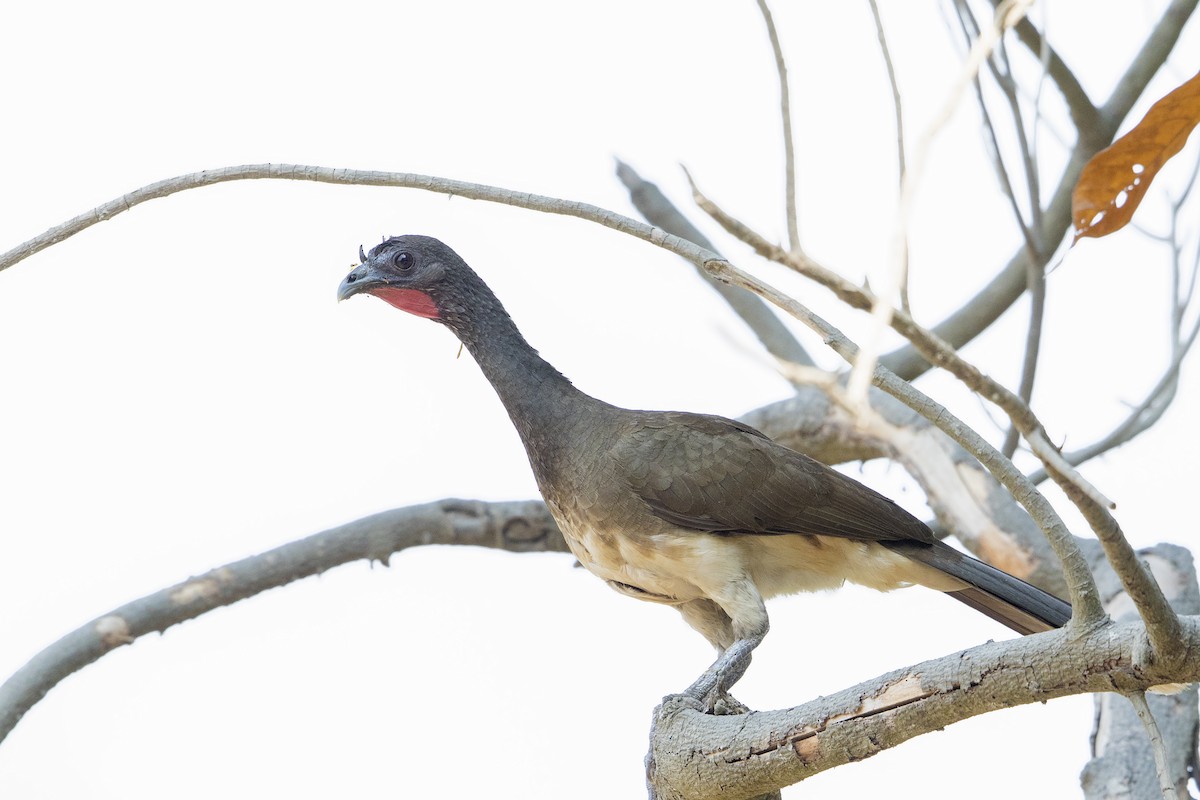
pixel 414 301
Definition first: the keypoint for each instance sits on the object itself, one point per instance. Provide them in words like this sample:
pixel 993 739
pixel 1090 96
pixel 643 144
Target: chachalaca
pixel 691 510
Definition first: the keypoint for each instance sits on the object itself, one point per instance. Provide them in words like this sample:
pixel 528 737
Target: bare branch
pixel 1143 416
pixel 654 206
pixel 1158 746
pixel 518 526
pixel 895 85
pixel 1162 623
pixel 739 756
pixel 1035 277
pixel 1122 756
pixel 901 164
pixel 882 304
pixel 351 177
pixel 1083 111
pixel 1146 63
pixel 789 151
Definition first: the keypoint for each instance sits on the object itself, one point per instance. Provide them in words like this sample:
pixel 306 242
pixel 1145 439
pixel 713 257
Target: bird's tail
pixel 1008 600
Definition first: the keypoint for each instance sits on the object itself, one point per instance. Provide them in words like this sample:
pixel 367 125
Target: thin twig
pixel 1030 230
pixel 882 307
pixel 894 83
pixel 1036 275
pixel 785 112
pixel 901 160
pixel 1158 745
pixel 1143 417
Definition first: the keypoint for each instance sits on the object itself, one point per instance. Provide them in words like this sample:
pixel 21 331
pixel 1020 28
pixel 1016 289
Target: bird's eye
pixel 404 260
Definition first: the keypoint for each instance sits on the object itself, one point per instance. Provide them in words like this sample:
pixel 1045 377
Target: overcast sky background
pixel 181 390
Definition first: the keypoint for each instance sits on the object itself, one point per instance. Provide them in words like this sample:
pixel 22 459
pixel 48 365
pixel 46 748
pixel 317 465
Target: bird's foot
pixel 708 695
pixel 712 688
pixel 704 694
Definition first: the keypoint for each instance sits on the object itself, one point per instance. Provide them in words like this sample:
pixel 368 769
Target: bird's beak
pixel 362 278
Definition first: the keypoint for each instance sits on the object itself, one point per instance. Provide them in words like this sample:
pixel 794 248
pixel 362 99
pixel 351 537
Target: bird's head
pixel 409 272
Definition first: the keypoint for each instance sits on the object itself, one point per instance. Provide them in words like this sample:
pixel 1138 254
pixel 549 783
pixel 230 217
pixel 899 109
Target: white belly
pixel 677 567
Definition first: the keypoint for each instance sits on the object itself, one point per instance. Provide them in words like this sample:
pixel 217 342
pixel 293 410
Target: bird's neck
pixel 542 403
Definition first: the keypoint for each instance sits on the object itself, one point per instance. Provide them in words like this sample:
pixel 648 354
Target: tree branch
pixel 785 112
pixel 1145 64
pixel 730 757
pixel 654 206
pixel 1081 108
pixel 1122 763
pixel 901 163
pixel 351 177
pixel 882 303
pixel 1162 623
pixel 518 526
pixel 1158 746
pixel 1035 278
pixel 1142 417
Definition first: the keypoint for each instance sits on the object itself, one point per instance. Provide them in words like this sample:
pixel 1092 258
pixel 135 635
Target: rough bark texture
pixel 1122 764
pixel 702 757
pixel 523 526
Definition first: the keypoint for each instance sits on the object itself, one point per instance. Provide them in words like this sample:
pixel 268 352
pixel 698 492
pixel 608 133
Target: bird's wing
pixel 713 474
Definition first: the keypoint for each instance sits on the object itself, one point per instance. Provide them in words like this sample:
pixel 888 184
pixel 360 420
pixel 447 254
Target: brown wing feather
pixel 713 474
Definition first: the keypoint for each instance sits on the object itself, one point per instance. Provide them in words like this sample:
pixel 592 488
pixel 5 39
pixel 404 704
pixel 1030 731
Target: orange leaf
pixel 1115 180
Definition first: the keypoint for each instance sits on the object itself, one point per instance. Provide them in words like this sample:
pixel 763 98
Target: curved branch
pixel 353 177
pixel 519 526
pixel 1147 62
pixel 1081 108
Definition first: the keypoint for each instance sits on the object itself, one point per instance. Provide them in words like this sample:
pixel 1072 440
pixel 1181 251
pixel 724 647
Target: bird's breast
pixel 642 564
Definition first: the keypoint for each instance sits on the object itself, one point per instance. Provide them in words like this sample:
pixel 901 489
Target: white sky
pixel 181 389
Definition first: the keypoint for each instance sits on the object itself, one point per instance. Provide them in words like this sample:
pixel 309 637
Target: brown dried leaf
pixel 1113 183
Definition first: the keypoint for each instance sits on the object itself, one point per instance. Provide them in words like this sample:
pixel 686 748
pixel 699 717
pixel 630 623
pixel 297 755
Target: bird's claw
pixel 685 700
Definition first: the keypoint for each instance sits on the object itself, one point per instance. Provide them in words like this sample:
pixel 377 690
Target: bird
pixel 696 511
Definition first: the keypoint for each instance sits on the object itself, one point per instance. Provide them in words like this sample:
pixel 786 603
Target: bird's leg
pixel 735 620
pixel 724 672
